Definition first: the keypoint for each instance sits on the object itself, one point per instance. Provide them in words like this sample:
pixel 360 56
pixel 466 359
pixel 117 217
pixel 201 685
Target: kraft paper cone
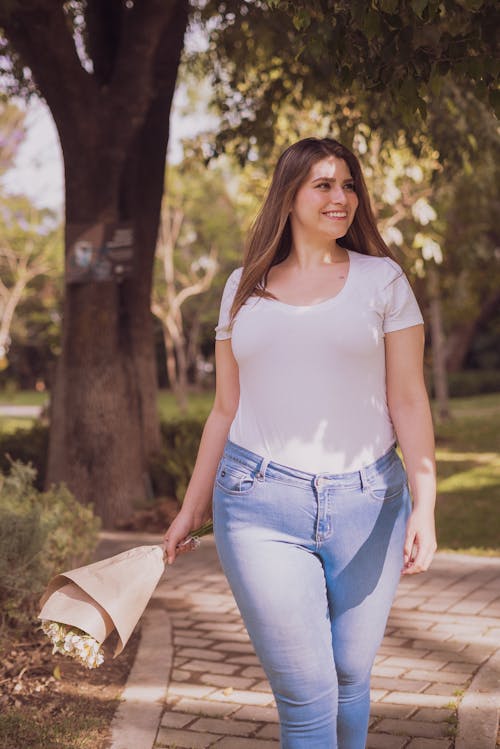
pixel 112 593
pixel 72 606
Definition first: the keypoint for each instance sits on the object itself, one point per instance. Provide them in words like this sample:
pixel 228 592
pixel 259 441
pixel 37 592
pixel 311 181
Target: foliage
pixel 199 233
pixel 28 446
pixel 474 382
pixel 30 252
pixel 387 59
pixel 172 469
pixel 41 534
pixel 31 263
pixel 11 133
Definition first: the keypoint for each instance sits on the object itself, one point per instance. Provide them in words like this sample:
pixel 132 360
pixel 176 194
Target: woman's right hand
pixel 177 533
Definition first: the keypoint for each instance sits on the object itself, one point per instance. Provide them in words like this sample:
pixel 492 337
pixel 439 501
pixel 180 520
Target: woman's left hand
pixel 420 542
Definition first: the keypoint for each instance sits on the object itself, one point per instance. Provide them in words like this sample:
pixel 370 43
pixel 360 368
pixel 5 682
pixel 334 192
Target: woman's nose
pixel 338 194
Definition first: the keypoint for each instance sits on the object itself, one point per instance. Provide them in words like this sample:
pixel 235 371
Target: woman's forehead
pixel 330 167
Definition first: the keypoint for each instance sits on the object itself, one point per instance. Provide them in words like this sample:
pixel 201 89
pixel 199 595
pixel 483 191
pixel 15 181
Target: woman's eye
pixel 350 187
pixel 323 185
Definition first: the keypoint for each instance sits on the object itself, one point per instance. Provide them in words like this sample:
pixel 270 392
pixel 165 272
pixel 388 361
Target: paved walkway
pixel 442 642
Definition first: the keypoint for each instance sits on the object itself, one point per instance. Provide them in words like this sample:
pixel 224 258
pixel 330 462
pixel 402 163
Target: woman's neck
pixel 304 257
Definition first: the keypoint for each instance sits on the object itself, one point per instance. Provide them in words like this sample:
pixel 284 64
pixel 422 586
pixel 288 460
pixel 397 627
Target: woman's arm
pixel 411 415
pixel 197 501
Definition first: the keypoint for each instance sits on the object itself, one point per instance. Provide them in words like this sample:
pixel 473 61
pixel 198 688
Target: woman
pixel 319 366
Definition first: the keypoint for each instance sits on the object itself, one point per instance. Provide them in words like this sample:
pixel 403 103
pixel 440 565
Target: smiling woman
pixel 319 367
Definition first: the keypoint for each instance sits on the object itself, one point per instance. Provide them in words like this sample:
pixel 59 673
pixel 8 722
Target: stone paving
pixel 443 626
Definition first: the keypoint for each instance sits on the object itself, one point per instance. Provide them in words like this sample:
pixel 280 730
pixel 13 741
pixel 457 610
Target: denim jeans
pixel 313 562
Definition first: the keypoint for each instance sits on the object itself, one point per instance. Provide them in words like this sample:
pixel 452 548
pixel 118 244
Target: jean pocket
pixel 234 478
pixel 389 484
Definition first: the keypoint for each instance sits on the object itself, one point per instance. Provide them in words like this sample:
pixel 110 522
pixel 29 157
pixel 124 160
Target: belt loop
pixel 362 479
pixel 261 473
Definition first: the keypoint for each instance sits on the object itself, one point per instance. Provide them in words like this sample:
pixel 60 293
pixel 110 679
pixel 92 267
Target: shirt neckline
pixel 328 300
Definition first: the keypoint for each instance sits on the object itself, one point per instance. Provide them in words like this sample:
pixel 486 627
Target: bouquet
pixel 82 607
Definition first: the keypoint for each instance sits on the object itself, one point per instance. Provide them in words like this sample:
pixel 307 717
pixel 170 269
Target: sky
pixel 38 168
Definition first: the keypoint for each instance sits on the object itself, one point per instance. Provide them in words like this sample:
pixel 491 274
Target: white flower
pixel 73 642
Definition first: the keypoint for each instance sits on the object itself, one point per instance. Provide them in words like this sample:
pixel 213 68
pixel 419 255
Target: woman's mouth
pixel 336 215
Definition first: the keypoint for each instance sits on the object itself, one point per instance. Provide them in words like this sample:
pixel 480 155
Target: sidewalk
pixel 196 682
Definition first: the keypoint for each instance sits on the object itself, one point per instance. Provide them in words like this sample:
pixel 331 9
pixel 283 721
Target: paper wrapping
pixel 106 595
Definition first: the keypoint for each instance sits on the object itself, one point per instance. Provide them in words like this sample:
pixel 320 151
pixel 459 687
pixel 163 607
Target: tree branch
pixel 103 35
pixel 40 34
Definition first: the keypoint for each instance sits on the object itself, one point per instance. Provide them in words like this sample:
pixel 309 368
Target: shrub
pixel 172 469
pixel 474 382
pixel 41 534
pixel 27 446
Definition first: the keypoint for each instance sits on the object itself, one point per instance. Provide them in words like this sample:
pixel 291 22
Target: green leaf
pixel 473 5
pixel 302 20
pixel 372 24
pixel 422 107
pixel 419 6
pixel 494 99
pixel 389 6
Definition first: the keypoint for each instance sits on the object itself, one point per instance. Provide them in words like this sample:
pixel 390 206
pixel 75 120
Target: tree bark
pixel 438 345
pixel 113 127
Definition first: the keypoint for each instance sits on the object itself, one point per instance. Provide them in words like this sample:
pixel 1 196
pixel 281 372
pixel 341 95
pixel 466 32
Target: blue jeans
pixel 313 562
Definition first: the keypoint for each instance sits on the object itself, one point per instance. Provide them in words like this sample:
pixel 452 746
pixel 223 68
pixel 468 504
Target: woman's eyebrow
pixel 332 179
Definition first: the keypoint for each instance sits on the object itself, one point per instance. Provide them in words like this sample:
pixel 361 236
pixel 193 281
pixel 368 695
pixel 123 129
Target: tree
pixel 11 134
pixel 27 234
pixel 168 306
pixel 25 249
pixel 107 71
pixel 199 233
pixel 382 62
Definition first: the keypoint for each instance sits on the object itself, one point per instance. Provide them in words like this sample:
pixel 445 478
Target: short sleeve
pixel 401 309
pixel 223 330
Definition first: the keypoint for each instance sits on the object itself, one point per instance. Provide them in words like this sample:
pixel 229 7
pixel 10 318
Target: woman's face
pixel 326 202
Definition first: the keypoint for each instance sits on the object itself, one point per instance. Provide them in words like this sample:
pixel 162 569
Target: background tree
pixel 107 71
pixel 167 306
pixel 199 232
pixel 12 132
pixel 27 241
pixel 384 61
pixel 30 248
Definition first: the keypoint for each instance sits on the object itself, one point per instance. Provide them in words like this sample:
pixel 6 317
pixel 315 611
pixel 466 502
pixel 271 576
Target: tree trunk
pixel 438 345
pixel 170 359
pixel 193 351
pixel 104 422
pixel 180 351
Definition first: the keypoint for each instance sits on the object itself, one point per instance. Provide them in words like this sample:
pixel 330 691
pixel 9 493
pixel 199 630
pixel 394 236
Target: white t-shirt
pixel 312 378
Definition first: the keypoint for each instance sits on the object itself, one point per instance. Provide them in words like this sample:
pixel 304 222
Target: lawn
pixel 468 459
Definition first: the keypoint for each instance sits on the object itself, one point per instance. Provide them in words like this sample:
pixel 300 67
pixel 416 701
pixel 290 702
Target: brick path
pixel 443 626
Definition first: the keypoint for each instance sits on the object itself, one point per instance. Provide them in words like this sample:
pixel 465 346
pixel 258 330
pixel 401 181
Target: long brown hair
pixel 270 238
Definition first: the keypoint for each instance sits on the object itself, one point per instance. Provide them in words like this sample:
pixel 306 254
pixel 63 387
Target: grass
pixel 78 729
pixel 8 425
pixel 23 398
pixel 467 455
pixel 468 463
pixel 199 404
